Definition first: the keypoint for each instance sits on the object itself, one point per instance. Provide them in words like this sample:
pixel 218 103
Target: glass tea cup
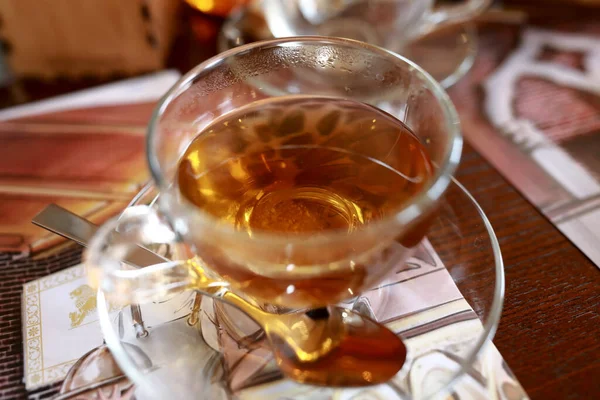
pixel 289 270
pixel 387 23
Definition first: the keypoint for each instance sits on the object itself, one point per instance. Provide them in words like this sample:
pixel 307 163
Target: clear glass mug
pixel 292 271
pixel 387 23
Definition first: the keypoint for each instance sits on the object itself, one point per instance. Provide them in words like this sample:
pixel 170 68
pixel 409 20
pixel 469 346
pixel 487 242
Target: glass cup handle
pixel 120 263
pixel 455 13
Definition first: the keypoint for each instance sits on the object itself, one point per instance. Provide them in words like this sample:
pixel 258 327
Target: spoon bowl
pixel 364 352
pixel 326 347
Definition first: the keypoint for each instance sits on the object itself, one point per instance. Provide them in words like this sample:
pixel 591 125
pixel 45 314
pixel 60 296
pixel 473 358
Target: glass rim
pixel 419 205
pixel 490 324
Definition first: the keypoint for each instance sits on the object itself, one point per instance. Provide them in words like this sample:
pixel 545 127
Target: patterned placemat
pixel 531 106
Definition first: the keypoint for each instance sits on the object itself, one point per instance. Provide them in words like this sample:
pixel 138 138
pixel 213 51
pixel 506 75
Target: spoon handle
pixel 78 229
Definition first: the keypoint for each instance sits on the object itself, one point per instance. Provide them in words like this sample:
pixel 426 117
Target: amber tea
pixel 303 166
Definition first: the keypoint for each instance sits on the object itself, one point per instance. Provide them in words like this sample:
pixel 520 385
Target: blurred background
pixel 52 47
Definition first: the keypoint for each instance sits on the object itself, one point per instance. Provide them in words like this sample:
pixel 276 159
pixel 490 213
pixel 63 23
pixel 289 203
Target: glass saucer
pixel 447 52
pixel 445 303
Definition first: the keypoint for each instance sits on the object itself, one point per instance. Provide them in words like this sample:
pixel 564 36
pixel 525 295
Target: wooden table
pixel 550 329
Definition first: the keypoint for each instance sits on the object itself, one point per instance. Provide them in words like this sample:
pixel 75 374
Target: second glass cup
pixel 387 23
pixel 300 171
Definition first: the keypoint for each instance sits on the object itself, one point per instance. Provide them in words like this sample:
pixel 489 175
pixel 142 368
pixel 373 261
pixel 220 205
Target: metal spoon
pixel 330 347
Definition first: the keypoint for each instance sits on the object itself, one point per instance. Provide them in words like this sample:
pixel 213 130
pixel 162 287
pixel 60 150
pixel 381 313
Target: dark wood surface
pixel 550 329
